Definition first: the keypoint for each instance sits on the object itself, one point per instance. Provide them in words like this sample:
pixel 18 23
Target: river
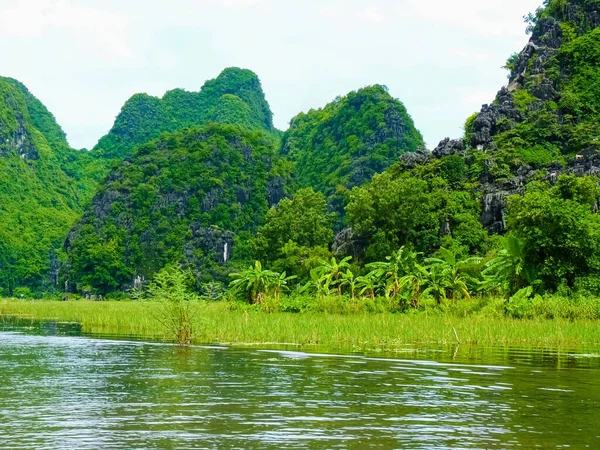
pixel 73 392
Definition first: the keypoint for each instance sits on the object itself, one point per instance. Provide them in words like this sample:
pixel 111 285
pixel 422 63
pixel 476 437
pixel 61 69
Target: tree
pixel 368 284
pixel 302 222
pixel 508 270
pixel 399 271
pixel 280 284
pixel 400 209
pixel 560 235
pixel 451 270
pixel 332 271
pixel 350 281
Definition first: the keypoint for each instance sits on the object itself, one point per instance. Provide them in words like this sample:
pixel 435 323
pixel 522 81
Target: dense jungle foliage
pixel 196 196
pixel 349 140
pixel 44 185
pixel 234 97
pixel 348 204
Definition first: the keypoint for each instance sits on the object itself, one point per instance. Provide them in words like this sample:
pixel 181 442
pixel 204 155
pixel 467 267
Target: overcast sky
pixel 84 58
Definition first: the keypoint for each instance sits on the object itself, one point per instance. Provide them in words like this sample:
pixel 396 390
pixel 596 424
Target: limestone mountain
pixel 547 120
pixel 349 140
pixel 43 188
pixel 195 197
pixel 234 97
pixel 544 123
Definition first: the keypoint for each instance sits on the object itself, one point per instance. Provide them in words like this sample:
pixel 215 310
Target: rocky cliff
pixel 546 121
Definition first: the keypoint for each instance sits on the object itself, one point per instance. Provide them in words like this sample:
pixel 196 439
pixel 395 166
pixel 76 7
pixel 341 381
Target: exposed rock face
pixel 348 244
pixel 493 117
pixel 449 147
pixel 212 241
pixel 421 156
pixel 18 142
pixel 493 208
pixel 494 195
pixel 276 190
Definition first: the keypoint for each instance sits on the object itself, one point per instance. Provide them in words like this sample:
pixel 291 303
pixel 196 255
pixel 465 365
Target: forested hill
pixel 234 97
pixel 551 108
pixel 42 189
pixel 527 167
pixel 196 197
pixel 343 144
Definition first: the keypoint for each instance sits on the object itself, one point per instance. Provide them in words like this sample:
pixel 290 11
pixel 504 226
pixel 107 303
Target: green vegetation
pixel 43 187
pixel 346 208
pixel 226 323
pixel 348 141
pixel 234 97
pixel 195 197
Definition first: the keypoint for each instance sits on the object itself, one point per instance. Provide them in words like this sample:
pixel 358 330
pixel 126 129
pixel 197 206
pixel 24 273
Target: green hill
pixel 43 187
pixel 348 141
pixel 528 166
pixel 195 197
pixel 235 96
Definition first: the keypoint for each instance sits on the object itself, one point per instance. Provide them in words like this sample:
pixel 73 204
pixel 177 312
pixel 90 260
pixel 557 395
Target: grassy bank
pixel 221 323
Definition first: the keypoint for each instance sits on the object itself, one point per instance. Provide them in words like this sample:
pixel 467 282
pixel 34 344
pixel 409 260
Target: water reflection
pixel 69 392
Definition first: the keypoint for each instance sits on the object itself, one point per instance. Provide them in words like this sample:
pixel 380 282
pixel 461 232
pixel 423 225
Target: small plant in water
pixel 171 289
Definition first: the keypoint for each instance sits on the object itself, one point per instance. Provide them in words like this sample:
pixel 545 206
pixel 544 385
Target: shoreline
pixel 218 324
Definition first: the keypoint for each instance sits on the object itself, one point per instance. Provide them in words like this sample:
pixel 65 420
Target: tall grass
pixel 225 323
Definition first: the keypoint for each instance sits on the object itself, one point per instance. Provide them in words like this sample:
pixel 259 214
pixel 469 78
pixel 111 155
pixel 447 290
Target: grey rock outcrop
pixel 449 147
pixel 216 243
pixel 412 159
pixel 347 243
pixel 495 118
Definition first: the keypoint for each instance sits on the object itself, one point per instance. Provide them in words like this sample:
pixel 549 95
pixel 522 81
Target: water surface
pixel 66 392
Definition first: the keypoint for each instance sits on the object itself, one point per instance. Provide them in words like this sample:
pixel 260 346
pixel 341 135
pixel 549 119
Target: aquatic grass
pixel 220 323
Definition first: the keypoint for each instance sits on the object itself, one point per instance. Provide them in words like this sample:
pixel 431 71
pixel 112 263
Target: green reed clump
pixel 355 329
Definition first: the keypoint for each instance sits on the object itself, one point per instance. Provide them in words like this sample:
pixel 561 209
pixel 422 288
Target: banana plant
pixel 348 279
pixel 368 284
pixel 332 271
pixel 280 284
pixel 254 282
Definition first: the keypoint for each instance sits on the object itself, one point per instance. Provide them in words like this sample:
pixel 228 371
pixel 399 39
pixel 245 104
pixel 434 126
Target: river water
pixel 68 392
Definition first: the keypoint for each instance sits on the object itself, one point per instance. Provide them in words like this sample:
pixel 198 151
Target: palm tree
pixel 254 282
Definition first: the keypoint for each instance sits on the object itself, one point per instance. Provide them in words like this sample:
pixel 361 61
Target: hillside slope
pixel 349 140
pixel 42 189
pixel 195 197
pixel 234 97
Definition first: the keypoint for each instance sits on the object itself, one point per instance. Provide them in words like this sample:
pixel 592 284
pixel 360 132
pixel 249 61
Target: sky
pixel 84 58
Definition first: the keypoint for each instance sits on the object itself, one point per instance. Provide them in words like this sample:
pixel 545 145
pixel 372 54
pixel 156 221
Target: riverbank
pixel 219 323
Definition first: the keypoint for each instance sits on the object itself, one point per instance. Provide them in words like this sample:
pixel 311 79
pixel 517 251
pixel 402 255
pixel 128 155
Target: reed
pixel 220 323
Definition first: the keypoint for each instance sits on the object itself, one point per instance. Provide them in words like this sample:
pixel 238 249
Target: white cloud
pixel 489 17
pixel 370 14
pixel 98 29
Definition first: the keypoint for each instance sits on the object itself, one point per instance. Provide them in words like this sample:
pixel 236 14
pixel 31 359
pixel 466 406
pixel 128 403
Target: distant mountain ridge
pixel 234 97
